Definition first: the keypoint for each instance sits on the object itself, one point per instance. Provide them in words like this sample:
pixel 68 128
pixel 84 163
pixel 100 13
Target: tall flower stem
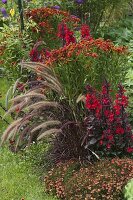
pixel 20 7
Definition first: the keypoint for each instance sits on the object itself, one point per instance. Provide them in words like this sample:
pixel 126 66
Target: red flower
pixel 106 113
pixel 34 55
pixel 101 142
pixel 129 149
pixel 111 117
pixel 47 53
pixel 61 30
pixel 65 34
pixel 110 137
pixel 69 37
pixel 117 109
pixel 108 146
pixel 85 32
pixel 119 130
pixel 106 101
pixel 93 104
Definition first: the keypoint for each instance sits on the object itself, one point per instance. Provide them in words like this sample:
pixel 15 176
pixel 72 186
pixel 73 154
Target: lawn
pixel 17 180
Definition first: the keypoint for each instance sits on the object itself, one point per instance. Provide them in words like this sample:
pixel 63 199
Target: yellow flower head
pixel 12 12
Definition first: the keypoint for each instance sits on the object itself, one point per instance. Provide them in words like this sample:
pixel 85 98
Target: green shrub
pixel 129 81
pixel 128 191
pixel 94 12
pixel 99 181
pixel 38 157
pixel 15 47
pixel 120 32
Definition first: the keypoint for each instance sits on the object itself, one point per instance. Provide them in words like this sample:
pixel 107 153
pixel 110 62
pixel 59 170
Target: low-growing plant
pixel 103 180
pixel 60 174
pixel 40 164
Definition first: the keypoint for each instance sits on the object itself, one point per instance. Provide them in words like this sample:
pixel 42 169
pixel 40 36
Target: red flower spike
pixel 65 34
pixel 110 122
pixel 85 32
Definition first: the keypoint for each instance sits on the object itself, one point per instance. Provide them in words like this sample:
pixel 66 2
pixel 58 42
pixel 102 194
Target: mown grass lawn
pixel 17 179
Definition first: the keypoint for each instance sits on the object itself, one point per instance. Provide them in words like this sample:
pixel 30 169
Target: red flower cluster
pixel 45 19
pixel 34 55
pixel 38 55
pixel 114 126
pixel 85 32
pixel 121 100
pixel 65 34
pixel 92 102
pixel 84 47
pixel 45 13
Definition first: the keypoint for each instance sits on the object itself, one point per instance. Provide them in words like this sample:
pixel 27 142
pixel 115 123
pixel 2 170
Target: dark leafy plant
pixel 120 32
pixel 107 122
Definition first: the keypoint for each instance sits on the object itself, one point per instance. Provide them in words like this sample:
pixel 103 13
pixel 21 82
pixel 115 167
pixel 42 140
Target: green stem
pixel 20 7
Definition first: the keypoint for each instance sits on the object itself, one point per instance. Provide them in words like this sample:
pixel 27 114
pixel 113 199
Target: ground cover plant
pixel 103 180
